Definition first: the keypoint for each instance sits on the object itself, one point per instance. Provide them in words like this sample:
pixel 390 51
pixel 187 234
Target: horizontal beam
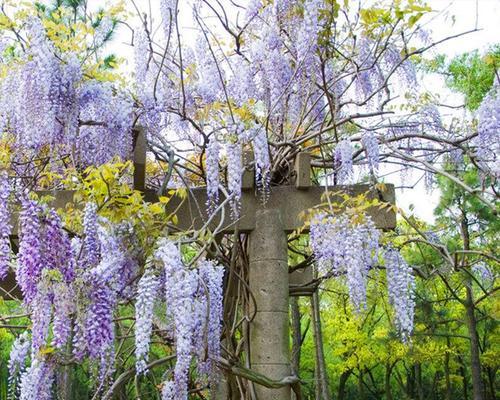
pixel 191 213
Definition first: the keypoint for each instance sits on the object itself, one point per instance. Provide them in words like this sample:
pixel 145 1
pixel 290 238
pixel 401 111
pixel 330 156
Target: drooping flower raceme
pixel 342 246
pixel 193 300
pixel 262 162
pixel 5 226
pixel 64 305
pixel 212 172
pixel 488 139
pixel 308 33
pixel 146 295
pixel 41 314
pixel 57 251
pixel 234 175
pixel 401 286
pixel 91 249
pixel 343 159
pixel 37 380
pixel 30 249
pixel 211 275
pixel 370 143
pixel 17 362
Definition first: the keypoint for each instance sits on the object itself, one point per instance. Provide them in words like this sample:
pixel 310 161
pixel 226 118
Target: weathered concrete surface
pixel 301 282
pixel 303 171
pixel 268 279
pixel 191 212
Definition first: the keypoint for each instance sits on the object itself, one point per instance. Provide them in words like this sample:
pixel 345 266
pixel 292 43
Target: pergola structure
pixel 269 278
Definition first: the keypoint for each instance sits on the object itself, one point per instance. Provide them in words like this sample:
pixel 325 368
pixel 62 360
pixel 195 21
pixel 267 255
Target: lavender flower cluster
pixel 401 286
pixel 212 172
pixel 343 161
pixel 147 292
pixel 193 299
pixel 46 92
pixel 17 363
pixel 342 246
pixel 5 226
pixel 371 145
pixel 52 271
pixel 487 142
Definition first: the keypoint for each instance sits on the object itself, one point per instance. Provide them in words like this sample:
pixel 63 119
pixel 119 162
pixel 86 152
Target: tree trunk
pixel 475 362
pixel 296 335
pixel 361 388
pixel 387 380
pixel 418 379
pixel 64 382
pixel 491 382
pixel 342 383
pixel 410 383
pixel 463 373
pixel 447 371
pixel 321 376
pixel 477 381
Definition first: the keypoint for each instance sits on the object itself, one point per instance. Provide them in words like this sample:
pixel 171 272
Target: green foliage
pixel 473 74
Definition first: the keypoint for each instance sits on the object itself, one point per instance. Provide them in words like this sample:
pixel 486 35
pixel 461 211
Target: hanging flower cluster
pixel 147 292
pixel 345 247
pixel 18 358
pixel 45 91
pixel 5 226
pixel 348 247
pixel 212 172
pixel 273 86
pixel 343 160
pixel 371 145
pixel 193 299
pixel 36 382
pixel 401 286
pixel 234 176
pixel 69 282
pixel 488 143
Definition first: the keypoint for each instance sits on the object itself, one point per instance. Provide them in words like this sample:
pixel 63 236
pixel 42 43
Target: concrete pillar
pixel 268 276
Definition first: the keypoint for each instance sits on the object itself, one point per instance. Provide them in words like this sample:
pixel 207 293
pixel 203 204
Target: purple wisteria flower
pixel 488 129
pixel 5 225
pixel 91 249
pixel 212 172
pixel 18 358
pixel 30 258
pixel 234 176
pixel 37 381
pixel 262 162
pixel 341 246
pixel 212 275
pixel 371 145
pixel 343 159
pixel 194 314
pixel 401 286
pixel 147 292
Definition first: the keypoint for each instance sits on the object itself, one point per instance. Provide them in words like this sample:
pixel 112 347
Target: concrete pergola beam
pixel 292 202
